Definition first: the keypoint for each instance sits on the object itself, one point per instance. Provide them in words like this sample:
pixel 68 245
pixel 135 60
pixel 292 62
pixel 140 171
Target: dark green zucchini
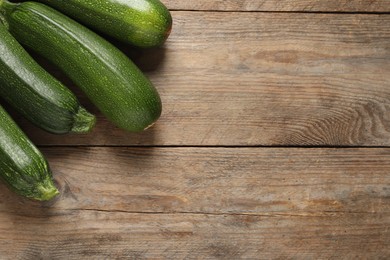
pixel 36 94
pixel 107 76
pixel 143 23
pixel 22 166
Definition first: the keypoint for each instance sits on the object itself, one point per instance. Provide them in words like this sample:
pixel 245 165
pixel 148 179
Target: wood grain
pixel 233 78
pixel 116 235
pixel 218 203
pixel 288 79
pixel 282 5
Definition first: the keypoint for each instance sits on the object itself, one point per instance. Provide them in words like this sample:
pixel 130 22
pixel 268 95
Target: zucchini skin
pixel 22 166
pixel 36 94
pixel 107 76
pixel 142 23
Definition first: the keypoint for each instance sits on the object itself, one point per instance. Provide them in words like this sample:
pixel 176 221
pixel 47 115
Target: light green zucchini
pixel 36 94
pixel 143 23
pixel 22 166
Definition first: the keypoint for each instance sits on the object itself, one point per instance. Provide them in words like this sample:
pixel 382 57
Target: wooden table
pixel 273 144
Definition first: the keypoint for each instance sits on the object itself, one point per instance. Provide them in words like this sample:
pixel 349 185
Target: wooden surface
pixel 287 79
pixel 273 144
pixel 282 5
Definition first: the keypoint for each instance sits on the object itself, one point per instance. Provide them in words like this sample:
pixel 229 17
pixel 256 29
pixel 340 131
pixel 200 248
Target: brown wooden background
pixel 273 143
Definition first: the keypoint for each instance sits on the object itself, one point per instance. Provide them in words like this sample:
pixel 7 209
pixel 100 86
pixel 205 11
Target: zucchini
pixel 36 94
pixel 143 23
pixel 22 166
pixel 106 75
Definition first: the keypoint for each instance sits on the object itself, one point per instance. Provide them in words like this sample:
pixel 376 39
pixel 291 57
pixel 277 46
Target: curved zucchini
pixel 143 23
pixel 36 94
pixel 107 76
pixel 22 166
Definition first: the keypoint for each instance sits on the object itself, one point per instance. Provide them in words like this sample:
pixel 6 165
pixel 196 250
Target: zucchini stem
pixel 46 191
pixel 83 121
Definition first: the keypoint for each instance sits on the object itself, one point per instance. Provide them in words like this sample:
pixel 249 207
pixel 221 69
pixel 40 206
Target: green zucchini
pixel 143 23
pixel 107 76
pixel 22 166
pixel 36 94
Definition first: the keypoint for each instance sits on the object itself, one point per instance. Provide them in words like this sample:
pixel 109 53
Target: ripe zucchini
pixel 22 166
pixel 35 93
pixel 143 23
pixel 107 76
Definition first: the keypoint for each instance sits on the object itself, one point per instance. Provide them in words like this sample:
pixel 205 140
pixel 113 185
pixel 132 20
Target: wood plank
pixel 282 5
pixel 288 79
pixel 116 235
pixel 200 203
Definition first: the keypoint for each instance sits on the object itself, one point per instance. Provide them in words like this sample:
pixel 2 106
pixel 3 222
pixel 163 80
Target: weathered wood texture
pixel 219 203
pixel 287 79
pixel 231 79
pixel 282 5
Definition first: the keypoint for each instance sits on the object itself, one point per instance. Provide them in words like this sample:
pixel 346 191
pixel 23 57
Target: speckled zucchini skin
pixel 36 94
pixel 143 23
pixel 107 76
pixel 22 166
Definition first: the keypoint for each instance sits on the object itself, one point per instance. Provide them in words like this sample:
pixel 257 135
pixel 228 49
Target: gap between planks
pixel 282 12
pixel 141 146
pixel 251 214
